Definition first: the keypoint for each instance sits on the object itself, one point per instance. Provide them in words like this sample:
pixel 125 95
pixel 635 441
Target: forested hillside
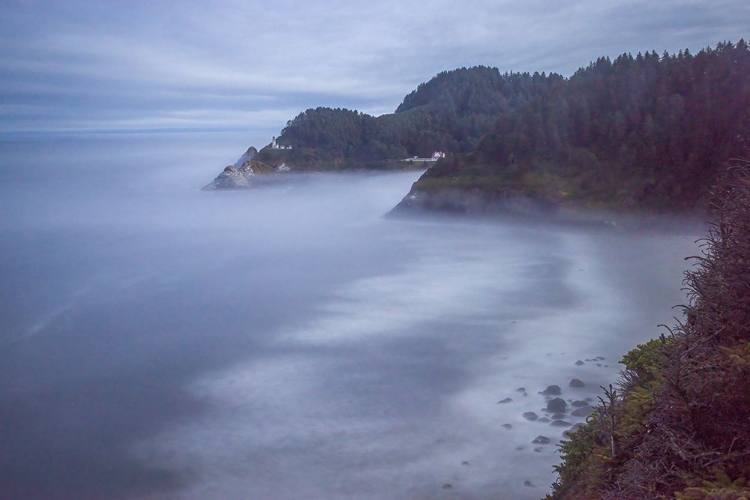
pixel 452 112
pixel 678 423
pixel 647 131
pixel 643 132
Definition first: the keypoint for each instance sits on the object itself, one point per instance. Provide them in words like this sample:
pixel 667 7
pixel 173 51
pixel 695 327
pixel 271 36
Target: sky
pixel 77 67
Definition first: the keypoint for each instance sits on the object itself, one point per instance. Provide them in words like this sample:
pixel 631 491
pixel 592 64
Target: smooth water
pixel 159 342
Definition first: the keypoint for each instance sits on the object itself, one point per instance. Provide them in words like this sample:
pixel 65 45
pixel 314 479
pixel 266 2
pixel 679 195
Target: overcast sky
pixel 249 66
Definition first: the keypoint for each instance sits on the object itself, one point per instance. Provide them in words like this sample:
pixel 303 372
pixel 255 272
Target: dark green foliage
pixel 682 421
pixel 451 112
pixel 643 131
pixel 642 363
pixel 647 132
pixel 583 462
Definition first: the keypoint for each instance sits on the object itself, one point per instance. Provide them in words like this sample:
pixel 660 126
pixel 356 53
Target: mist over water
pixel 288 342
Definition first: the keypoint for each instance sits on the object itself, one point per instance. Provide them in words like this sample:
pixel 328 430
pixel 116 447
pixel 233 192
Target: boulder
pixel 576 383
pixel 557 405
pixel 583 411
pixel 560 423
pixel 541 440
pixel 552 390
pixel 530 415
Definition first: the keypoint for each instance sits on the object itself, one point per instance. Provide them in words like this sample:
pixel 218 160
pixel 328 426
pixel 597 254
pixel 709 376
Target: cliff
pixel 245 173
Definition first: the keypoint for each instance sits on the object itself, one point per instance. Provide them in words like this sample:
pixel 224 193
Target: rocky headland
pixel 247 171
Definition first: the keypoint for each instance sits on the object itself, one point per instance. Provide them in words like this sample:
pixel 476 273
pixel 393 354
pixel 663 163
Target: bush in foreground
pixel 678 423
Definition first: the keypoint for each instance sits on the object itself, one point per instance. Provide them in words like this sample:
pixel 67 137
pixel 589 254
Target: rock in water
pixel 583 411
pixel 552 390
pixel 560 423
pixel 557 405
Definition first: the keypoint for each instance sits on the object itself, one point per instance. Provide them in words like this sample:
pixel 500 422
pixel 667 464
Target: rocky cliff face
pixel 249 174
pixel 247 156
pixel 245 173
pixel 473 201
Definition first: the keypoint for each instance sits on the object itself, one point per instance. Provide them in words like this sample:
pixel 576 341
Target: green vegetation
pixel 644 132
pixel 451 112
pixel 678 425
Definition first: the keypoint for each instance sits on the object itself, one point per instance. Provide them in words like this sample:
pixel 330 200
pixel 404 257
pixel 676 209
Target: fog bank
pixel 162 342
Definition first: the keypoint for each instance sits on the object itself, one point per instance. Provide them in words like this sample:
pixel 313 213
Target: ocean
pixel 286 342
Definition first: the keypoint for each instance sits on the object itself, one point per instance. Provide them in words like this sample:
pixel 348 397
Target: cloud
pixel 161 61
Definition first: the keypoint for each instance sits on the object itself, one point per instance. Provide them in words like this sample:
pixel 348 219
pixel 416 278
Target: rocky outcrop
pixel 484 203
pixel 557 405
pixel 245 173
pixel 247 156
pixel 472 201
pixel 230 178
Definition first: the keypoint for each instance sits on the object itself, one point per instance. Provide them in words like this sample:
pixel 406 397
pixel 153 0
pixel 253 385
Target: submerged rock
pixel 541 440
pixel 560 423
pixel 577 383
pixel 557 405
pixel 552 390
pixel 583 411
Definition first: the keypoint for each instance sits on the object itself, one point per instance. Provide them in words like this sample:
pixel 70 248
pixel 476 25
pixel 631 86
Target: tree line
pixel 647 130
